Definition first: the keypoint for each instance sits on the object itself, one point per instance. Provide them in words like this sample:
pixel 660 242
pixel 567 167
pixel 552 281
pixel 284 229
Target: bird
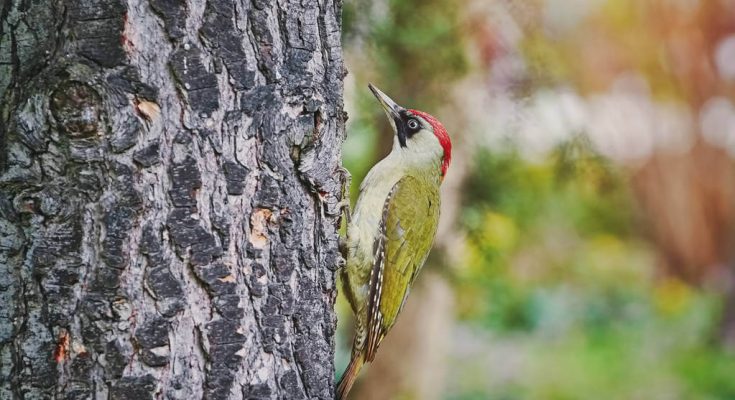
pixel 392 228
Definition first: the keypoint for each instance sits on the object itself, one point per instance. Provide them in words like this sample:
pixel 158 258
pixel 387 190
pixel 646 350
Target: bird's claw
pixel 344 204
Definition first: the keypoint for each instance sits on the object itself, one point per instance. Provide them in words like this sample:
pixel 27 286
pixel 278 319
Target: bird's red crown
pixel 441 133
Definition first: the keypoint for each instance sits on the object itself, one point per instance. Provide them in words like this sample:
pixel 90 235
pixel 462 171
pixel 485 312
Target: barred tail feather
pixel 348 378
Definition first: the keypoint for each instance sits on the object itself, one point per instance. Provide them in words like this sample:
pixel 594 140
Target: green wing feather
pixel 408 226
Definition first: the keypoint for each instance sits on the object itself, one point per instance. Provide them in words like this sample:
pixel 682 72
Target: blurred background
pixel 587 241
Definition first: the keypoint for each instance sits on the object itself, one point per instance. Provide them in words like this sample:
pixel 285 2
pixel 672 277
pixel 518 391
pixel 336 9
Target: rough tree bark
pixel 168 198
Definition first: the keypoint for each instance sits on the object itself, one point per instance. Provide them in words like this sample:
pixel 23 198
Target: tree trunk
pixel 169 180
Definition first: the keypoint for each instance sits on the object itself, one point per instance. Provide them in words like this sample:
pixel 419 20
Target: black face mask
pixel 406 126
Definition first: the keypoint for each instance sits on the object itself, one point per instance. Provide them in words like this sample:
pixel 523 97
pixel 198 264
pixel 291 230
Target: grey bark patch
pixel 152 336
pixel 148 156
pixel 218 278
pixel 116 355
pixel 228 43
pixel 257 392
pixel 134 387
pixel 97 27
pixel 186 180
pixel 235 174
pixel 199 84
pixel 125 133
pixel 166 289
pixel 223 331
pixel 173 14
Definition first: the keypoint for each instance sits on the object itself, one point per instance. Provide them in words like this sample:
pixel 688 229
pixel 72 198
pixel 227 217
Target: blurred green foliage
pixel 570 212
pixel 559 292
pixel 419 50
pixel 416 48
pixel 555 271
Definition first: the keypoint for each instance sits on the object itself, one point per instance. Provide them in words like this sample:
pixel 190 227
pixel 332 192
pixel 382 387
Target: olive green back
pixel 410 218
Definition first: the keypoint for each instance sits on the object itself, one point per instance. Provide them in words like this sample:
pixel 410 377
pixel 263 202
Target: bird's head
pixel 418 134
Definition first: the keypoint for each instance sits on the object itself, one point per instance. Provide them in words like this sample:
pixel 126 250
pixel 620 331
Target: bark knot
pixel 77 109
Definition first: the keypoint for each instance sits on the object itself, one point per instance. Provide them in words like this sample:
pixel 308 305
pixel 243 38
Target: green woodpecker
pixel 392 228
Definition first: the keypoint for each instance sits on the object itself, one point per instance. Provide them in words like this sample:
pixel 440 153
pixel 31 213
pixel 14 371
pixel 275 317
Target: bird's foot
pixel 344 204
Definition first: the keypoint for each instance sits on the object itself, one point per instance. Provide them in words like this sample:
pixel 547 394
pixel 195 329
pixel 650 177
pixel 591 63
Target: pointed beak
pixel 392 110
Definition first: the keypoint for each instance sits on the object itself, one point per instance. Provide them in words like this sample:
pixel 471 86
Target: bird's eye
pixel 413 124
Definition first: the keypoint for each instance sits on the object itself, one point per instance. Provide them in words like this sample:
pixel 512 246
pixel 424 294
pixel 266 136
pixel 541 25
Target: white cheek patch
pixel 424 141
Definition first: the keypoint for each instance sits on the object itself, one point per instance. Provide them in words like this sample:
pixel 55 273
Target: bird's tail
pixel 348 378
